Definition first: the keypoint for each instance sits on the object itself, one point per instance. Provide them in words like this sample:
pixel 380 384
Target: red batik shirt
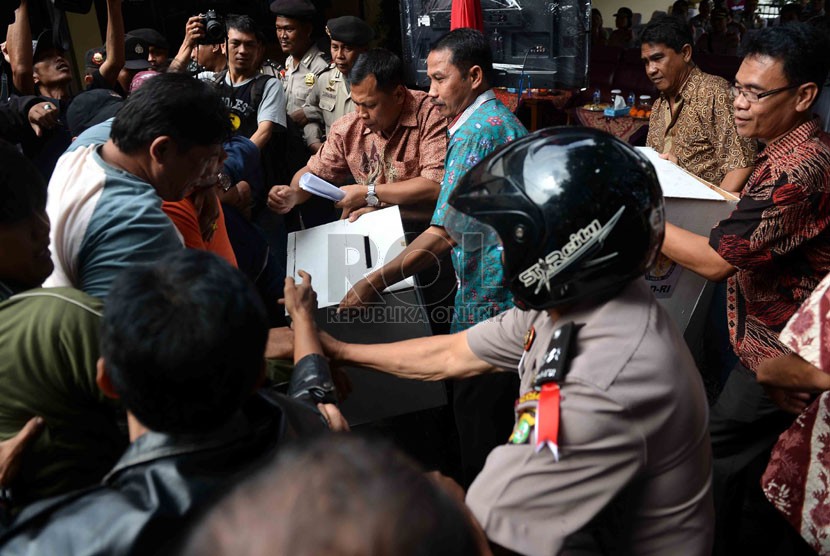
pixel 778 237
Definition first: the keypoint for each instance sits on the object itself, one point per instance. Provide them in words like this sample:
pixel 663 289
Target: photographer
pixel 199 52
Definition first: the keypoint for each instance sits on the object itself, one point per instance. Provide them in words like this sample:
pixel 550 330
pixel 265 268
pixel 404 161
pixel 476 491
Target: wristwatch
pixel 371 197
pixel 224 182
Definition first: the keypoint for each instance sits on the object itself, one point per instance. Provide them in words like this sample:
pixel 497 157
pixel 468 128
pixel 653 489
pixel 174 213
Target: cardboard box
pixel 697 206
pixel 339 254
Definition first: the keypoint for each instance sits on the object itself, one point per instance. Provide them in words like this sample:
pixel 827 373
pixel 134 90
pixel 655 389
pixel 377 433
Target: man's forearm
pixel 182 59
pixel 116 57
pixel 19 47
pixel 412 191
pixel 300 196
pixel 263 134
pixel 431 358
pixel 693 251
pixel 735 180
pixel 791 372
pixel 433 243
pixel 306 339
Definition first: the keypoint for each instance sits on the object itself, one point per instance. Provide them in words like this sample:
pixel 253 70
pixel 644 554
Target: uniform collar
pixel 309 55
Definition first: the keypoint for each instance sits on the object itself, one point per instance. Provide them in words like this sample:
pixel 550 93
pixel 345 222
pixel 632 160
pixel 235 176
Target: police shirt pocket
pixel 327 103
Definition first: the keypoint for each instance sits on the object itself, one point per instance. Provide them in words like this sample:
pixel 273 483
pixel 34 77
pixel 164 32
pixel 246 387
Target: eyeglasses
pixel 752 98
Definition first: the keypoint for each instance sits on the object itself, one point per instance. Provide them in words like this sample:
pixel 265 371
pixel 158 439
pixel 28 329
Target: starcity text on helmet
pixel 558 260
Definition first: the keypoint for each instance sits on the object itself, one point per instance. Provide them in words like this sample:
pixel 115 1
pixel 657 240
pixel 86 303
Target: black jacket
pixel 14 119
pixel 145 502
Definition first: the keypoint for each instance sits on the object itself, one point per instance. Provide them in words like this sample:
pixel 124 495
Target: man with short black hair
pixel 460 68
pixel 48 349
pixel 254 100
pixel 774 249
pixel 691 122
pixel 106 192
pixel 393 146
pixel 181 346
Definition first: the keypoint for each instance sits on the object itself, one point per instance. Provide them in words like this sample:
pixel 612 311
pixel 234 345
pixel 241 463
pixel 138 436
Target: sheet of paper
pixel 320 187
pixel 677 182
pixel 340 253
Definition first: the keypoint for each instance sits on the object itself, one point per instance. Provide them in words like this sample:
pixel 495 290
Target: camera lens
pixel 214 28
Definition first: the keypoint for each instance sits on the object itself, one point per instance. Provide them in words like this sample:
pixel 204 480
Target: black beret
pixel 295 9
pixel 151 37
pixel 350 30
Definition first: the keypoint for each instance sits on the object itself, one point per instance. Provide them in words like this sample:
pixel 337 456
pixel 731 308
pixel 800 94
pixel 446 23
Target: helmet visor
pixel 469 233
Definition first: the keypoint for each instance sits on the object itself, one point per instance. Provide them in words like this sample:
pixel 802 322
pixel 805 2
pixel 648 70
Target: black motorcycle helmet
pixel 577 212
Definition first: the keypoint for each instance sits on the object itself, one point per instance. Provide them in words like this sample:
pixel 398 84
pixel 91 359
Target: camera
pixel 215 32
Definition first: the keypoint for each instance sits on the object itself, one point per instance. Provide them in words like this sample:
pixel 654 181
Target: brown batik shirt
pixel 701 133
pixel 415 148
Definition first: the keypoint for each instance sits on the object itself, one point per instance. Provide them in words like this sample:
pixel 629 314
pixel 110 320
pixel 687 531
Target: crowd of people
pixel 144 303
pixel 717 27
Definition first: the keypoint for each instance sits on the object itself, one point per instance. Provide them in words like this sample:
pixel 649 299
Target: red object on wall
pixel 466 13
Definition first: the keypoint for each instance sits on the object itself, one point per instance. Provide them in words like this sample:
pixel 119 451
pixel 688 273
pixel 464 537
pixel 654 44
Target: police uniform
pixel 330 97
pixel 300 78
pixel 329 100
pixel 633 412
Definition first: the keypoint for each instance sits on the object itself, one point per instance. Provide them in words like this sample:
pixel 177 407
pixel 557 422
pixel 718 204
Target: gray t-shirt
pixel 633 422
pixel 272 106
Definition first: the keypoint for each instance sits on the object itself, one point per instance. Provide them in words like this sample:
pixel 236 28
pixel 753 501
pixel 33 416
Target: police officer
pixel 305 62
pixel 612 408
pixel 330 97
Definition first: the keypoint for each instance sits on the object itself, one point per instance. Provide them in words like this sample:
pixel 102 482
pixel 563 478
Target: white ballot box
pixel 340 253
pixel 337 255
pixel 697 206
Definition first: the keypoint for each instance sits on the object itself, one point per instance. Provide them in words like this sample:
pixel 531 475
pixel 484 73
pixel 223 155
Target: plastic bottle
pixel 631 99
pixel 597 97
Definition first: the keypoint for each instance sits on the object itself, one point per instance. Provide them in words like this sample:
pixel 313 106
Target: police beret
pixel 151 37
pixel 350 30
pixel 296 9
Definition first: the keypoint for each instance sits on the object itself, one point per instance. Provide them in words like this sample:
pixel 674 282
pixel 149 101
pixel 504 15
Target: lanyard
pixel 486 96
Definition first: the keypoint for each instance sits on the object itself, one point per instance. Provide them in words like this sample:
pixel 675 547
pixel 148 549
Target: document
pixel 678 183
pixel 320 187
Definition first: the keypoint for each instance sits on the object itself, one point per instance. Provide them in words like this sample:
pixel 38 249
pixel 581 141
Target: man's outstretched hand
pixel 12 450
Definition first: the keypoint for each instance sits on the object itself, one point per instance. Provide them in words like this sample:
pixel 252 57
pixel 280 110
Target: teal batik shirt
pixel 482 290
